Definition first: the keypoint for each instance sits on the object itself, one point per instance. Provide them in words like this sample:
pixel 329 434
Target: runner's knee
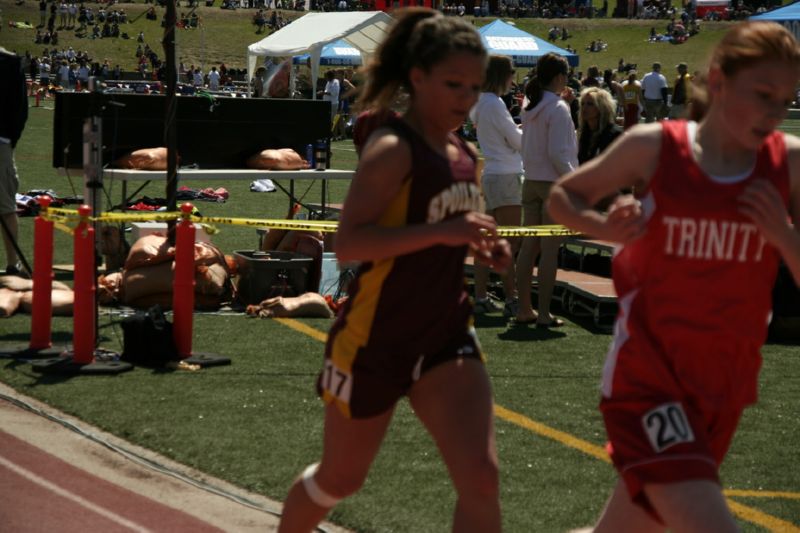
pixel 336 487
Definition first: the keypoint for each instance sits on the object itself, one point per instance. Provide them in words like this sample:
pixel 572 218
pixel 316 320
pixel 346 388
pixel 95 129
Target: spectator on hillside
pixel 63 12
pixel 42 13
pixel 197 78
pixel 260 21
pixel 654 90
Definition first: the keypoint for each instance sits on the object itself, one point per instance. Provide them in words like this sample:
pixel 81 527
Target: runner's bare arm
pixel 629 162
pixel 385 163
pixel 762 203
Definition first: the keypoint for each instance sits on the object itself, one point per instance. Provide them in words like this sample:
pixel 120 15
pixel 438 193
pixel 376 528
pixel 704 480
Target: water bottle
pixel 321 155
pixel 310 155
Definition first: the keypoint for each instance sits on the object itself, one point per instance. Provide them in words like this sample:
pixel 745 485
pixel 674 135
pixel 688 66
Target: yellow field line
pixel 302 328
pixel 763 494
pixel 546 431
pixel 762 519
pixel 744 512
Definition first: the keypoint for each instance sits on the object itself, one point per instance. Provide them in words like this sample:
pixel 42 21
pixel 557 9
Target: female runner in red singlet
pixel 701 243
pixel 410 217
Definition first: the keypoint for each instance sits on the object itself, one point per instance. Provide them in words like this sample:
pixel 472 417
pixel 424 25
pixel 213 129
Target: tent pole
pixel 171 104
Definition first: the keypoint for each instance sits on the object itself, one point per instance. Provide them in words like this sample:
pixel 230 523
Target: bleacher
pixel 583 281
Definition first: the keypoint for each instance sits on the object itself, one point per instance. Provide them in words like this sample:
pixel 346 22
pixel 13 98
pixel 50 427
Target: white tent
pixel 363 30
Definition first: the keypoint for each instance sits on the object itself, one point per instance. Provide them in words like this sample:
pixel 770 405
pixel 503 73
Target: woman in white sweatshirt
pixel 500 140
pixel 549 150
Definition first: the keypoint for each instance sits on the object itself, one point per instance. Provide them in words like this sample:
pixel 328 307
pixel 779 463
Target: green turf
pixel 257 423
pixel 225 35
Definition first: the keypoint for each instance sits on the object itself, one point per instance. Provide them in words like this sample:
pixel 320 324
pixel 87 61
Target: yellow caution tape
pixel 326 226
pixel 552 230
pixel 63 227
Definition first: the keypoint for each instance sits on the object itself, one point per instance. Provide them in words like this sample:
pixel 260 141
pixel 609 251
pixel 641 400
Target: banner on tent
pixel 511 43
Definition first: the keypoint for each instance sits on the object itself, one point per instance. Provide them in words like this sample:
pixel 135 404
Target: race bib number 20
pixel 666 426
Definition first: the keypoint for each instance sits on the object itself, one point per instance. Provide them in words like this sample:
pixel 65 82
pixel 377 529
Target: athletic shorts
pixel 500 190
pixel 672 419
pixel 9 181
pixel 534 197
pixel 377 379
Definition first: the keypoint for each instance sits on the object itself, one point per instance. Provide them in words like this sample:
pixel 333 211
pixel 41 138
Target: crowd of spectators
pixel 272 20
pixel 293 5
pixel 67 68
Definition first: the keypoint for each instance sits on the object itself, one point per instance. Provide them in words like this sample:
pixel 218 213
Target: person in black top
pixel 597 127
pixel 13 115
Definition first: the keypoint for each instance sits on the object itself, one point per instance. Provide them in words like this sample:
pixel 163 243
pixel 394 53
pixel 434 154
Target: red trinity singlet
pixel 695 294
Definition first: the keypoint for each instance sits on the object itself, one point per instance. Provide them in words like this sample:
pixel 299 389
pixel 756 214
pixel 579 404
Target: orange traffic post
pixel 183 284
pixel 42 304
pixel 83 342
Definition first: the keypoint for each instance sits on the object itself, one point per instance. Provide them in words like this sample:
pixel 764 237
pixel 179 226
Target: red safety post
pixel 183 284
pixel 38 97
pixel 83 342
pixel 42 305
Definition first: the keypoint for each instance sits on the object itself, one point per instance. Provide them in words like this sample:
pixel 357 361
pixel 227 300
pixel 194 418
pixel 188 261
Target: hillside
pixel 223 36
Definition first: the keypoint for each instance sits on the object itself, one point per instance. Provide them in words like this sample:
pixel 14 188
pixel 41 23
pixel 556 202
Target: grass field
pixel 257 422
pixel 225 35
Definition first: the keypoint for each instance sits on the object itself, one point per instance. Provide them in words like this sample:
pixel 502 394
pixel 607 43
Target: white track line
pixel 77 499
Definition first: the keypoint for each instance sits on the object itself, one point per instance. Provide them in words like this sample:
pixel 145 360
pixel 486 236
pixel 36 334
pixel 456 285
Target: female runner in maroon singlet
pixel 410 217
pixel 701 244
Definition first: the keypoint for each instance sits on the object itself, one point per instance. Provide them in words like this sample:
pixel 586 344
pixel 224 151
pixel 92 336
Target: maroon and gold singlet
pixel 406 313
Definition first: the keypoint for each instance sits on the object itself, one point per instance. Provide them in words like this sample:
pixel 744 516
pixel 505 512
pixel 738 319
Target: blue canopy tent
pixel 788 15
pixel 502 38
pixel 336 54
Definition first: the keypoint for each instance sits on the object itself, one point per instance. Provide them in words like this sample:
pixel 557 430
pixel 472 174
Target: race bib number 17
pixel 666 426
pixel 337 382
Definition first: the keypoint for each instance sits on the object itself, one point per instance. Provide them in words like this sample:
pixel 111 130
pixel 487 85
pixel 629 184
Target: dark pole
pixel 170 128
